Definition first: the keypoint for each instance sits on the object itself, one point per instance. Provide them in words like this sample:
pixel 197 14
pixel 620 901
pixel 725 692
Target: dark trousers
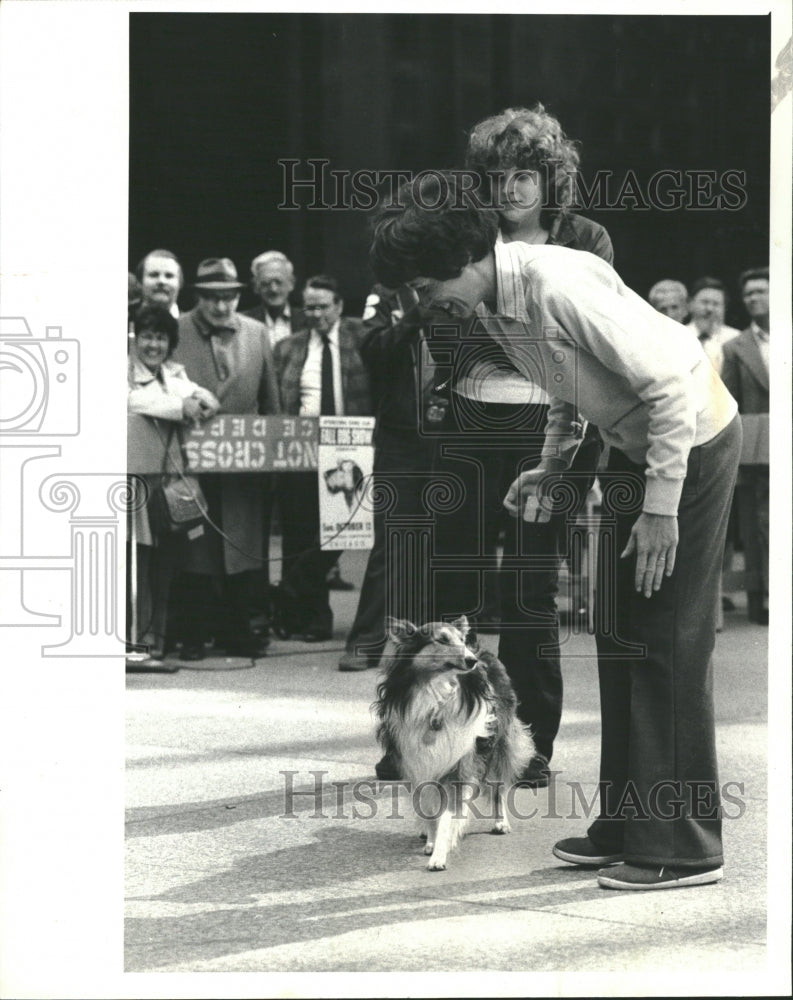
pixel 216 607
pixel 484 466
pixel 392 584
pixel 156 567
pixel 206 602
pixel 268 481
pixel 529 584
pixel 659 793
pixel 305 566
pixel 753 524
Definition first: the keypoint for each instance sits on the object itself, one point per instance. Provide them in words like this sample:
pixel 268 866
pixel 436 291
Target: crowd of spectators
pixel 211 588
pixel 741 359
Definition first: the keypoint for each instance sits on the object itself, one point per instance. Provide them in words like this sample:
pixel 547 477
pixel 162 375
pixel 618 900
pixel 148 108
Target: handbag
pixel 177 504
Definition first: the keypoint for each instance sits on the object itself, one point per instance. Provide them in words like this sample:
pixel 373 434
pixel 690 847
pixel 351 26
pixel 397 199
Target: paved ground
pixel 230 868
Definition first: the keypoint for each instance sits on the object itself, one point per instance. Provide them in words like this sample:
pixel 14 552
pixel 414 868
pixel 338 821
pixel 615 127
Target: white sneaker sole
pixel 700 878
pixel 582 859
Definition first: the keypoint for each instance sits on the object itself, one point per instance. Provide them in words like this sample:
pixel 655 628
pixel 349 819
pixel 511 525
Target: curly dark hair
pixel 433 229
pixel 158 320
pixel 526 139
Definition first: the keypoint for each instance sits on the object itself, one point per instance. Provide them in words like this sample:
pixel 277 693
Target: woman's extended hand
pixel 191 411
pixel 654 539
pixel 208 404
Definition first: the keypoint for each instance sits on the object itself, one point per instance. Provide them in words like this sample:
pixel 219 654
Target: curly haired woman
pixel 494 424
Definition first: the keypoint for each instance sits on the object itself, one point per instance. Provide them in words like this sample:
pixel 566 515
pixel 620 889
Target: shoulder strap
pixel 171 429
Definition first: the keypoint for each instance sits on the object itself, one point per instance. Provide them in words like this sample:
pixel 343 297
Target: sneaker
pixel 582 851
pixel 535 774
pixel 657 877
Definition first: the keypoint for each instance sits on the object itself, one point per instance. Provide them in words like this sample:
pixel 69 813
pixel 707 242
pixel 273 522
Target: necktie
pixel 327 401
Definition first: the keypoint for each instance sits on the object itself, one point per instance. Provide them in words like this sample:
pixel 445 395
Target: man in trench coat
pixel 230 355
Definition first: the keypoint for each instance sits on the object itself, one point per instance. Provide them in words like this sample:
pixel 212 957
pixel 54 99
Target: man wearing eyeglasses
pixel 229 354
pixel 320 372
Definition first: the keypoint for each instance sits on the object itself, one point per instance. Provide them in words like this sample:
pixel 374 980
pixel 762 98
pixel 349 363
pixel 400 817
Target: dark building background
pixel 218 99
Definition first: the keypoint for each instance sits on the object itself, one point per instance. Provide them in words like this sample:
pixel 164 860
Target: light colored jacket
pixel 162 397
pixel 248 383
pixel 568 322
pixel 157 399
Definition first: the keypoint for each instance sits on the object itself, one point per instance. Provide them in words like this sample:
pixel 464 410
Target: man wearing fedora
pixel 230 355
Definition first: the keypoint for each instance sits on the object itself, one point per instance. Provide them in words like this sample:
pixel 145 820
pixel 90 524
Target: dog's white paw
pixel 429 848
pixel 502 826
pixel 436 866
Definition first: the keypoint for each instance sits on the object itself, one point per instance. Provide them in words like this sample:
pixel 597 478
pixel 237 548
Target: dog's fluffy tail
pixel 513 751
pixel 511 754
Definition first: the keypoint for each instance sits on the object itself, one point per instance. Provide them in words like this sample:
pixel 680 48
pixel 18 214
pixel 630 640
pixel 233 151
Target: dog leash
pixel 231 542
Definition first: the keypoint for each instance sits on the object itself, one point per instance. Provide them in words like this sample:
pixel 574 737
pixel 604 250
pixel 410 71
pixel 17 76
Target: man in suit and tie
pixel 320 372
pixel 745 373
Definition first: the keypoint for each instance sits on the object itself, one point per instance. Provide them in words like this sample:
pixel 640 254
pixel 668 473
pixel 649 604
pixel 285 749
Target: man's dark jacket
pixel 290 356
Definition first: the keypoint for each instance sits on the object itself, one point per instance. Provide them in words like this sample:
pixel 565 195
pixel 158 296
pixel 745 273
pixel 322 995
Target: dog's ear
pixel 462 626
pixel 400 630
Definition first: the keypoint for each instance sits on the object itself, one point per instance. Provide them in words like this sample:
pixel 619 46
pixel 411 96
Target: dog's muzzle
pixel 471 661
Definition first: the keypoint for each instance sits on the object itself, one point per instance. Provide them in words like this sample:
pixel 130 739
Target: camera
pixel 469 369
pixel 41 381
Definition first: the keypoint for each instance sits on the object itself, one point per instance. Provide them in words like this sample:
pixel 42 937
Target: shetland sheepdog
pixel 446 712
